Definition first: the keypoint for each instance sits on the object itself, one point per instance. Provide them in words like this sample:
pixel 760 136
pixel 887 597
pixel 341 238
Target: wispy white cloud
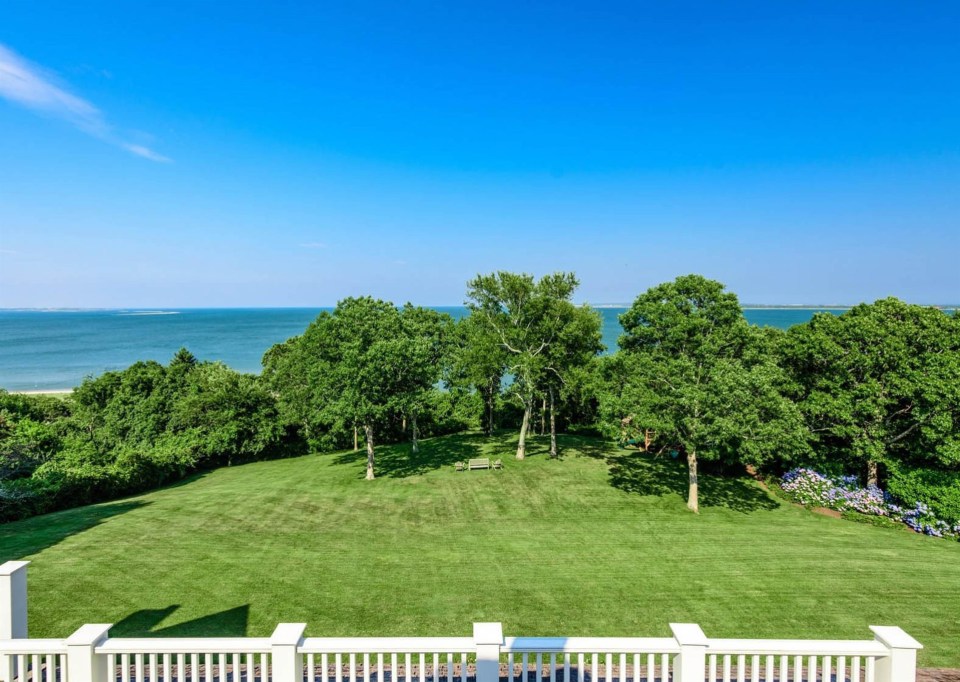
pixel 314 245
pixel 146 153
pixel 34 88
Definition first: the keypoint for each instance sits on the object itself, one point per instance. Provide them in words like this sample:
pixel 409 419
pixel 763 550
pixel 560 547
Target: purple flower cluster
pixel 809 487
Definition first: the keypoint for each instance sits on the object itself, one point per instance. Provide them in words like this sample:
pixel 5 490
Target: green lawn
pixel 597 544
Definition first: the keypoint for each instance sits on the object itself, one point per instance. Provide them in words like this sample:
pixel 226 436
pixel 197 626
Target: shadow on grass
pixel 647 474
pixel 19 539
pixel 398 461
pixel 229 623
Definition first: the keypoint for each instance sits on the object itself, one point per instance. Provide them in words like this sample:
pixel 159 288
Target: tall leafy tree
pixel 692 369
pixel 880 384
pixel 478 361
pixel 429 337
pixel 358 365
pixel 576 342
pixel 523 314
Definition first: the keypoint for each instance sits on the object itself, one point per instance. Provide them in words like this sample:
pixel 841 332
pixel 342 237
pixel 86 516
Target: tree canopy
pixel 694 371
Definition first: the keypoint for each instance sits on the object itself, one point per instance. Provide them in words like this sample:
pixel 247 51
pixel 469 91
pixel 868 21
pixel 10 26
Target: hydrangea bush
pixel 811 488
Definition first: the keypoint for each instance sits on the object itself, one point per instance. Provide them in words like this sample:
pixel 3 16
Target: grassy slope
pixel 586 546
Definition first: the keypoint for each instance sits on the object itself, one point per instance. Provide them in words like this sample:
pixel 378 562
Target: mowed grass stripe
pixel 597 544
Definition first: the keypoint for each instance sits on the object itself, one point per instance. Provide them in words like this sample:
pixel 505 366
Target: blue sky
pixel 249 154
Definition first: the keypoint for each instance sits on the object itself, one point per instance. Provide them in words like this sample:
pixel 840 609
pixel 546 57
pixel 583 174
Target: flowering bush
pixel 811 488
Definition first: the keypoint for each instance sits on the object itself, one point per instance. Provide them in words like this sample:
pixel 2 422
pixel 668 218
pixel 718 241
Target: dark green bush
pixel 936 488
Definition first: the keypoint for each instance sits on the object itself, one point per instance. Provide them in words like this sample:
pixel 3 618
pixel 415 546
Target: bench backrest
pixel 482 462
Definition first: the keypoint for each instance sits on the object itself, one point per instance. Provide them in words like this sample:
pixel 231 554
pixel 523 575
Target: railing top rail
pixel 33 646
pixel 387 645
pixel 592 645
pixel 185 645
pixel 797 647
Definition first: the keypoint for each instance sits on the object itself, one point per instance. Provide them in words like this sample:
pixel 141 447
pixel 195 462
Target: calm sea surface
pixel 42 350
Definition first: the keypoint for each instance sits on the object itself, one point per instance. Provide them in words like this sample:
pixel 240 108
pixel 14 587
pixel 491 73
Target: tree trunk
pixel 873 477
pixel 553 427
pixel 543 416
pixel 693 500
pixel 368 430
pixel 491 409
pixel 356 442
pixel 403 426
pixel 413 429
pixel 522 445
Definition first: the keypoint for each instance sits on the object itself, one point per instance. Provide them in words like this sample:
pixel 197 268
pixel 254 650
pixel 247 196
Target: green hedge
pixel 938 489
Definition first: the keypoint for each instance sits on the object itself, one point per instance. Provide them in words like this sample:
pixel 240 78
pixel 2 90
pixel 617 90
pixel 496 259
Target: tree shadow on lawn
pixel 648 474
pixel 228 623
pixel 397 461
pixel 30 536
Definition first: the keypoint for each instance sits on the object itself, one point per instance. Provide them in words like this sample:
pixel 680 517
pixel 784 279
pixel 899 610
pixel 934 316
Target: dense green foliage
pixel 938 489
pixel 597 544
pixel 543 339
pixel 696 373
pixel 879 386
pixel 128 431
pixel 359 367
pixel 873 392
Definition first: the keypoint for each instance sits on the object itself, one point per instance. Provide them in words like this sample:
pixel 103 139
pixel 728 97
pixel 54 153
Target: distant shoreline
pixel 168 311
pixel 43 391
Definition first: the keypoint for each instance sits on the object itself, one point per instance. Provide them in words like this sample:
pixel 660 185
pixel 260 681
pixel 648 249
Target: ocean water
pixel 41 350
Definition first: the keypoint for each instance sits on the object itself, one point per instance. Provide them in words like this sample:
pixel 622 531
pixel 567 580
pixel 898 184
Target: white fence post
pixel 690 665
pixel 901 664
pixel 84 664
pixel 286 661
pixel 488 638
pixel 13 608
pixel 13 600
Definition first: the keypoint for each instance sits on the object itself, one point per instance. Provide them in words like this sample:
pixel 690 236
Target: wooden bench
pixel 480 463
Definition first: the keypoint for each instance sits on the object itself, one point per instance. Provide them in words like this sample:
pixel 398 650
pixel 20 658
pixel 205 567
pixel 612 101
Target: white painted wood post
pixel 488 638
pixel 84 664
pixel 13 600
pixel 13 608
pixel 286 661
pixel 690 665
pixel 901 664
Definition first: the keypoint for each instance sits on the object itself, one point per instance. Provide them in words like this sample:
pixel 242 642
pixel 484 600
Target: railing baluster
pixel 742 668
pixel 726 667
pixel 581 669
pixel 539 668
pixel 871 669
pixel 769 671
pixel 423 668
pixel 664 667
pixel 463 667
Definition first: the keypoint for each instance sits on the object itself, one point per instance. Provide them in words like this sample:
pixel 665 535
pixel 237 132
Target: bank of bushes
pixel 129 431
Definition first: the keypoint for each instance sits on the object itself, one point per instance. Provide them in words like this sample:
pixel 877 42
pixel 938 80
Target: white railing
pixel 91 655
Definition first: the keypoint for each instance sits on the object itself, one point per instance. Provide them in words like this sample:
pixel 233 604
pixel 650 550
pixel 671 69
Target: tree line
pixel 874 391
